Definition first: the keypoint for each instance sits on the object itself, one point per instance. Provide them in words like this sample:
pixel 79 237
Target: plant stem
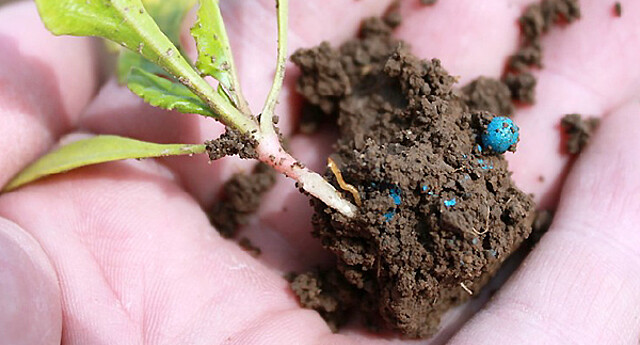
pixel 270 151
pixel 174 63
pixel 266 118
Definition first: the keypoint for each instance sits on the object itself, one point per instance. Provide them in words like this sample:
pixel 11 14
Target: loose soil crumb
pixel 249 247
pixel 522 86
pixel 437 210
pixel 232 143
pixel 428 2
pixel 487 94
pixel 578 131
pixel 617 9
pixel 327 292
pixel 241 198
pixel 392 16
pixel 536 21
pixel 541 225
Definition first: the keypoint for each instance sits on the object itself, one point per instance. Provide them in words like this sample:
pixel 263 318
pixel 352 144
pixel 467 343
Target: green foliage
pixel 163 93
pixel 168 14
pixel 125 22
pixel 99 149
pixel 214 52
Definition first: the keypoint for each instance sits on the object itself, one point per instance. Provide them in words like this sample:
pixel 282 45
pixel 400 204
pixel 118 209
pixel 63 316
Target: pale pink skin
pixel 122 253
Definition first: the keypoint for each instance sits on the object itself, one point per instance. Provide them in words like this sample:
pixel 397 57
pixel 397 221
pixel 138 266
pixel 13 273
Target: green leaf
pixel 99 149
pixel 128 60
pixel 168 14
pixel 214 52
pixel 125 22
pixel 164 93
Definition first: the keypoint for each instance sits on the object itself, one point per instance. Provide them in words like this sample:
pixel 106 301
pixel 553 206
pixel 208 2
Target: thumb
pixel 29 292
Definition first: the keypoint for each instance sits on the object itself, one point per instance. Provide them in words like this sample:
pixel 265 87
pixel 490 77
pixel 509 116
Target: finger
pixel 138 262
pixel 579 285
pixel 283 227
pixel 45 82
pixel 252 31
pixel 485 34
pixel 589 68
pixel 29 292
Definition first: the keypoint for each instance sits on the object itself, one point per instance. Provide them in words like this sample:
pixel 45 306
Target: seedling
pixel 154 67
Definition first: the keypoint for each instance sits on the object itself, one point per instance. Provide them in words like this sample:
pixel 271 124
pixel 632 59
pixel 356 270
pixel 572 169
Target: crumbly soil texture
pixel 439 213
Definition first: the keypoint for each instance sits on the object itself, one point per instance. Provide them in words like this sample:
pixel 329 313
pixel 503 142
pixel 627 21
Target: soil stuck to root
pixel 439 213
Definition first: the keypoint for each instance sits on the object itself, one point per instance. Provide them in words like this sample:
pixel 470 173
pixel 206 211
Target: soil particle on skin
pixel 232 143
pixel 392 16
pixel 536 21
pixel 578 131
pixel 617 9
pixel 428 2
pixel 241 198
pixel 249 247
pixel 541 225
pixel 487 94
pixel 522 86
pixel 438 210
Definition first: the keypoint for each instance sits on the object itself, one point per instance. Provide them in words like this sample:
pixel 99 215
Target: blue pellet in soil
pixel 394 193
pixel 389 215
pixel 451 202
pixel 500 135
pixel 425 188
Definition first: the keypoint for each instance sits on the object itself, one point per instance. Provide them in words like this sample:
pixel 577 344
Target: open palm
pixel 123 253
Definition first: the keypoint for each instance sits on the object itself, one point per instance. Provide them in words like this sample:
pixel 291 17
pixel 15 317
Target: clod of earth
pixel 578 131
pixel 439 212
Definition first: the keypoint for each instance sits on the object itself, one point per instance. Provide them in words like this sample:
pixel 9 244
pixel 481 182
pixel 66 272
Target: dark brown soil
pixel 536 21
pixel 438 214
pixel 428 2
pixel 232 143
pixel 578 131
pixel 487 94
pixel 241 198
pixel 541 225
pixel 327 292
pixel 617 9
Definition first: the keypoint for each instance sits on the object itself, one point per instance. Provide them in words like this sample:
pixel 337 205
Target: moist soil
pixel 578 131
pixel 241 197
pixel 439 213
pixel 535 22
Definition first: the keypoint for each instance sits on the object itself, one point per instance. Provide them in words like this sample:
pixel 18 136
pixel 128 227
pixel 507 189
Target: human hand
pixel 123 253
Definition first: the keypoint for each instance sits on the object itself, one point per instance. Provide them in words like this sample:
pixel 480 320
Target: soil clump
pixel 440 213
pixel 578 131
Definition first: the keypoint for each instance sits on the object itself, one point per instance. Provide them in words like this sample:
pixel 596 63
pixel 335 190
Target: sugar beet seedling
pixel 154 67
